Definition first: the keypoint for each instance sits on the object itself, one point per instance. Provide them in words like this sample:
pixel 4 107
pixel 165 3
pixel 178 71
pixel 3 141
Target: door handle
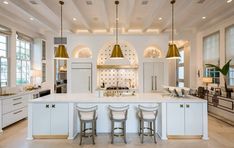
pixel 156 87
pixel 89 84
pixel 152 83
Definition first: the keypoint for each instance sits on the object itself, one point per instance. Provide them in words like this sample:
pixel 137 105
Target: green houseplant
pixel 224 71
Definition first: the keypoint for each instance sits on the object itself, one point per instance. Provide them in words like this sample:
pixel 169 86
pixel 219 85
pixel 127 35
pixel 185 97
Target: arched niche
pixel 152 52
pixel 81 51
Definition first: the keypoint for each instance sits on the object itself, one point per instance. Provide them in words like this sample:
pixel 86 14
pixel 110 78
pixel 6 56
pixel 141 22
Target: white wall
pixel 139 42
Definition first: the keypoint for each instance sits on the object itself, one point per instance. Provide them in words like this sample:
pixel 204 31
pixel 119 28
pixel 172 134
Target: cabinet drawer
pixel 14 116
pixel 12 104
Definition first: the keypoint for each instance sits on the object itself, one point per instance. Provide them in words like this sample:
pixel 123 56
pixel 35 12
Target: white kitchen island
pixel 55 115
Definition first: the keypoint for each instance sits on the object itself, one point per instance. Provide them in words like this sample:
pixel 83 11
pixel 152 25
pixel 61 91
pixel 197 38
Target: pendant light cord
pixel 116 22
pixel 61 2
pixel 172 26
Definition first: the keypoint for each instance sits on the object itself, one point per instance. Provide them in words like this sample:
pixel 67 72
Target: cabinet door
pixel 59 119
pixel 158 75
pixel 41 119
pixel 148 77
pixel 193 119
pixel 175 119
pixel 81 80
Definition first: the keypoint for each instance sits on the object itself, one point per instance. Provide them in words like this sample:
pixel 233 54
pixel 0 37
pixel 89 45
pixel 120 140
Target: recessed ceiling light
pixel 144 2
pixel 5 2
pixel 89 2
pixel 229 1
pixel 203 17
pixel 74 19
pixel 159 18
pixel 31 18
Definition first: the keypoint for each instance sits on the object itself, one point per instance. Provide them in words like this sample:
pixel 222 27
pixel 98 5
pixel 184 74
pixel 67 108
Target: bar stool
pixel 148 115
pixel 119 115
pixel 87 115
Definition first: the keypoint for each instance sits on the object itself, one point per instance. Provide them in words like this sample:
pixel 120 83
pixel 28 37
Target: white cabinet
pixel 184 119
pixel 81 78
pixel 50 119
pixel 153 76
pixel 14 109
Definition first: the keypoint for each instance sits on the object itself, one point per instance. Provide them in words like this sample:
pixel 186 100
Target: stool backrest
pixel 85 110
pixel 121 109
pixel 153 109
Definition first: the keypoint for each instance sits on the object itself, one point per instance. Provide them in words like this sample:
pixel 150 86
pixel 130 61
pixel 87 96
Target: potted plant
pixel 224 71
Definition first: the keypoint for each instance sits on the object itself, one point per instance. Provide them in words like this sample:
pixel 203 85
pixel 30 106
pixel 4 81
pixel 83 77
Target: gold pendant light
pixel 61 51
pixel 173 52
pixel 117 52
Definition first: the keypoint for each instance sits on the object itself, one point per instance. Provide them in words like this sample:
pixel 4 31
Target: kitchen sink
pixel 7 94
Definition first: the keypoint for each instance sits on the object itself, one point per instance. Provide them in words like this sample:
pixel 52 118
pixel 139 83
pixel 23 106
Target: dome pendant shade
pixel 117 52
pixel 173 52
pixel 61 52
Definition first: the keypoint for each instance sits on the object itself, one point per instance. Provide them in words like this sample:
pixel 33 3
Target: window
pixel 23 61
pixel 3 60
pixel 211 55
pixel 229 37
pixel 180 69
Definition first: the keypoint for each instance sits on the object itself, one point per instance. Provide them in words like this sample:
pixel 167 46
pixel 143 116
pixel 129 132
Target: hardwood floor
pixel 221 136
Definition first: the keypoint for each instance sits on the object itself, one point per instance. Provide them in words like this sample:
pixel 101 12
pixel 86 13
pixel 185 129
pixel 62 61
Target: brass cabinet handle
pixel 187 105
pixel 181 105
pixel 152 83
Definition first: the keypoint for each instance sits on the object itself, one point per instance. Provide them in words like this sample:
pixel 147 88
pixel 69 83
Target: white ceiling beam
pixel 27 9
pixel 130 13
pixel 103 13
pixel 81 16
pixel 157 4
pixel 56 12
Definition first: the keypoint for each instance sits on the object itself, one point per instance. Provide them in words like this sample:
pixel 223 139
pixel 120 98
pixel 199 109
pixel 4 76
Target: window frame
pixel 30 60
pixel 231 65
pixel 215 80
pixel 177 69
pixel 7 58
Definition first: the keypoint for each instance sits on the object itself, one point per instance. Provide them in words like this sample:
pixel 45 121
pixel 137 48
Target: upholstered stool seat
pixel 118 114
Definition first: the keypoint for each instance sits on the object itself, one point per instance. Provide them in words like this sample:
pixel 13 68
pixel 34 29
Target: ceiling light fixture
pixel 203 17
pixel 74 19
pixel 5 2
pixel 229 1
pixel 173 52
pixel 117 52
pixel 61 51
pixel 159 18
pixel 31 18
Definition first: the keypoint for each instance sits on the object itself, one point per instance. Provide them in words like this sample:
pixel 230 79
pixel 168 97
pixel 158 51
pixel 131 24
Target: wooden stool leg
pixel 155 141
pixel 124 130
pixel 139 132
pixel 142 131
pixel 93 131
pixel 112 131
pixel 81 131
pixel 95 126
